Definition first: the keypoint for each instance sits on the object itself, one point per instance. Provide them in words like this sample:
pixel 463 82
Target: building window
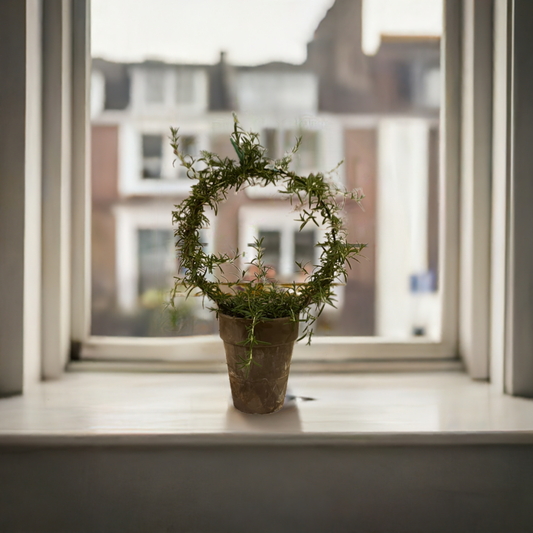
pixel 279 141
pixel 157 264
pixel 270 139
pixel 152 155
pixel 432 87
pixel 304 249
pixel 300 249
pixel 283 242
pixel 306 159
pixel 141 275
pixel 404 82
pixel 189 147
pixel 155 86
pixel 271 244
pixel 184 86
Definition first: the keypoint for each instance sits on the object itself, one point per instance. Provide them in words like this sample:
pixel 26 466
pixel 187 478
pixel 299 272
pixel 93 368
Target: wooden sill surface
pixel 170 409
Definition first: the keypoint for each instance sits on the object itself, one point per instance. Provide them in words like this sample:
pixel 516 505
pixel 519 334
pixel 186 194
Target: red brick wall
pixel 104 163
pixel 361 172
pixel 104 188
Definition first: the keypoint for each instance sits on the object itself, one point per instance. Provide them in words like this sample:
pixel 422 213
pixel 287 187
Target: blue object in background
pixel 423 282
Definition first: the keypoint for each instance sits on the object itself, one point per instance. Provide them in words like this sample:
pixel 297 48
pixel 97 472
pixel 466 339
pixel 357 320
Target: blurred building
pixel 379 114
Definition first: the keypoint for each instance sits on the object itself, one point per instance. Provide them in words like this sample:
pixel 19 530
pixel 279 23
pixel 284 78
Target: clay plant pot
pixel 262 391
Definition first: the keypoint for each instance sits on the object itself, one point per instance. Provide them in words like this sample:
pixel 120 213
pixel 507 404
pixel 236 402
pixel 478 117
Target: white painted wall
pixel 80 199
pixel 32 233
pixel 56 178
pixel 12 194
pixel 476 140
pixel 500 184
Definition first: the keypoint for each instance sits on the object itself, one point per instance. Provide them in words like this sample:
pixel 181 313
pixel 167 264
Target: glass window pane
pixel 307 158
pixel 304 249
pixel 270 139
pixel 152 146
pixel 184 86
pixel 271 244
pixel 156 265
pixel 155 86
pixel 358 81
pixel 189 147
pixel 152 151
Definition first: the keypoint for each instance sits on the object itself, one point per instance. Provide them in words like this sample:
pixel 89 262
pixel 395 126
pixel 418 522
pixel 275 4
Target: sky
pixel 250 31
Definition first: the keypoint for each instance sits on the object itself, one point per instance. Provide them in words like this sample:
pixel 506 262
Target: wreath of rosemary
pixel 316 198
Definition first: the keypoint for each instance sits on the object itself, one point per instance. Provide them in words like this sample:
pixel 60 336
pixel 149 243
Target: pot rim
pixel 268 320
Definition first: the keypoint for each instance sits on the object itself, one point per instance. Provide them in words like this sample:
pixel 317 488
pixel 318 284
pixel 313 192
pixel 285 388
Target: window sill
pixel 173 409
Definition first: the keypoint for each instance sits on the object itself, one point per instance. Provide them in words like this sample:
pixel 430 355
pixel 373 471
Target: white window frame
pixel 332 350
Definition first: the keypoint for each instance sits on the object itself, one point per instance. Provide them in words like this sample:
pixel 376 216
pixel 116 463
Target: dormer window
pixel 184 86
pixel 155 86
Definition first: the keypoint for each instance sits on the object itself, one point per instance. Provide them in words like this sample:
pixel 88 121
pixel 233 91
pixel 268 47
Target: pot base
pixel 261 398
pixel 261 388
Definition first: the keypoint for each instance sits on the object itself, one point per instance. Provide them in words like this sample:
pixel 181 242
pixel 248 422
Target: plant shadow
pixel 285 421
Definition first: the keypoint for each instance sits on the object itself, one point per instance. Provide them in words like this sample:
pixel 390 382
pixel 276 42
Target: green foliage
pixel 316 198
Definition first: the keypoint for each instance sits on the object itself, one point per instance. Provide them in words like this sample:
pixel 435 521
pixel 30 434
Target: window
pixel 279 141
pixel 152 153
pixel 184 86
pixel 300 249
pixel 304 249
pixel 271 142
pixel 140 270
pixel 271 242
pixel 366 112
pixel 154 81
pixel 283 243
pixel 308 156
pixel 152 156
pixel 403 77
pixel 432 87
pixel 189 147
pixel 156 261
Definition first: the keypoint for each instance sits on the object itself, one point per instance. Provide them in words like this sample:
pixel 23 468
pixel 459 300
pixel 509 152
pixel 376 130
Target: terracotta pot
pixel 263 390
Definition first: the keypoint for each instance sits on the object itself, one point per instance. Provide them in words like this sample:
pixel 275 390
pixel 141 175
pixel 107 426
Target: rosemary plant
pixel 316 198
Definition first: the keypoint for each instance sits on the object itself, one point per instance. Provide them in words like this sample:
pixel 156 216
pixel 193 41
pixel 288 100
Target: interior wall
pixel 56 174
pixel 32 159
pixel 12 129
pixel 277 488
pixel 519 311
pixel 500 190
pixel 474 332
pixel 20 194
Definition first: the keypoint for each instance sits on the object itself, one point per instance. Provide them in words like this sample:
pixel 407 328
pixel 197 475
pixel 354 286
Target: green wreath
pixel 319 200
